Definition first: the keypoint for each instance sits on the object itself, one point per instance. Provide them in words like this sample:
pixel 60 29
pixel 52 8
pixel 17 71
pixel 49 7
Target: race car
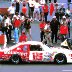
pixel 35 51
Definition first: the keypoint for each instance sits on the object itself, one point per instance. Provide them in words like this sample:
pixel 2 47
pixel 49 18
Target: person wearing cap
pixel 23 37
pixel 63 29
pixel 63 20
pixel 62 11
pixel 54 24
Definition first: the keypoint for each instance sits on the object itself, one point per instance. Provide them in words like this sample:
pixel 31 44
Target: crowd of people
pixel 18 23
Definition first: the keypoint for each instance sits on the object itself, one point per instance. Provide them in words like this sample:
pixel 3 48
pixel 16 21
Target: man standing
pixel 17 6
pixel 47 31
pixel 41 26
pixel 62 11
pixel 31 8
pixel 11 10
pixel 54 28
pixel 45 9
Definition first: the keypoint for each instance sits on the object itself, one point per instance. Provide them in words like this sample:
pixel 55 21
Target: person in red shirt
pixel 45 10
pixel 23 37
pixel 24 9
pixel 42 25
pixel 17 23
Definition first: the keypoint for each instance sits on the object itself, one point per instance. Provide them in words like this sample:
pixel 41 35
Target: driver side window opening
pixel 35 48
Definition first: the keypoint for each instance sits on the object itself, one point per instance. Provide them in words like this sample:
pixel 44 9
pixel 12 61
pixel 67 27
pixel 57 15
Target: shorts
pixel 37 10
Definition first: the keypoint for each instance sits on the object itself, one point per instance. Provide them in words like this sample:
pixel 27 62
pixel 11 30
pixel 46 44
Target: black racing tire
pixel 60 59
pixel 15 59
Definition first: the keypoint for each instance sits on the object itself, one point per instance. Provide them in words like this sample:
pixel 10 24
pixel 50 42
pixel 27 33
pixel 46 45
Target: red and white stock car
pixel 34 51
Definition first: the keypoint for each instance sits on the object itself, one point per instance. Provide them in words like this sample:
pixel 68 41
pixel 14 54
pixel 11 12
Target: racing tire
pixel 60 59
pixel 15 59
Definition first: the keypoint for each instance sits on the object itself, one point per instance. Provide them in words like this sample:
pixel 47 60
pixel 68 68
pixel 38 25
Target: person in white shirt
pixel 11 10
pixel 47 30
pixel 31 7
pixel 42 1
pixel 37 11
pixel 8 28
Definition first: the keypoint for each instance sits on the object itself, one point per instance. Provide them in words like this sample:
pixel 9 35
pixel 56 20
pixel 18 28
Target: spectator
pixel 68 20
pixel 22 18
pixel 62 11
pixel 16 35
pixel 57 12
pixel 64 29
pixel 23 37
pixel 11 10
pixel 41 26
pixel 16 22
pixel 4 24
pixel 17 6
pixel 31 8
pixel 24 10
pixel 1 19
pixel 47 30
pixel 45 9
pixel 42 2
pixel 54 28
pixel 27 27
pixel 8 20
pixel 37 11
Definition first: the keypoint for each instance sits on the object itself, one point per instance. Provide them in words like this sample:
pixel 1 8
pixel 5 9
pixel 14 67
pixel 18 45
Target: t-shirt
pixel 17 23
pixel 37 5
pixel 45 8
pixel 11 10
pixel 63 29
pixel 31 3
pixel 24 10
pixel 42 1
pixel 41 25
pixel 22 38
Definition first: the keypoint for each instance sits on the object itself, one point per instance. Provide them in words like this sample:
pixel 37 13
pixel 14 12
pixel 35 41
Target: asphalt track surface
pixel 35 67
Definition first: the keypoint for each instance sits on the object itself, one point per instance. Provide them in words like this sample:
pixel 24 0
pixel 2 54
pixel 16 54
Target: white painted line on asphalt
pixel 67 70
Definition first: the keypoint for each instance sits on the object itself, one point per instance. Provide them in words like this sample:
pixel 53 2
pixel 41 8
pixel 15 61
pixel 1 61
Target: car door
pixel 36 53
pixel 26 52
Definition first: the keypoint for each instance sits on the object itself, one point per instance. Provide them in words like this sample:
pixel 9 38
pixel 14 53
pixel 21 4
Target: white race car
pixel 34 51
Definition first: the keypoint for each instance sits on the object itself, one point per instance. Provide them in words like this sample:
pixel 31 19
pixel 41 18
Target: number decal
pixel 37 56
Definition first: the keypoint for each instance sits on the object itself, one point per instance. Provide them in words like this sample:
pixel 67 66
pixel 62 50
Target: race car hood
pixel 60 49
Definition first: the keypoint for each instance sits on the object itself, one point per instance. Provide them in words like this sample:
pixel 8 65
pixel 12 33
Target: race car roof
pixel 34 42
